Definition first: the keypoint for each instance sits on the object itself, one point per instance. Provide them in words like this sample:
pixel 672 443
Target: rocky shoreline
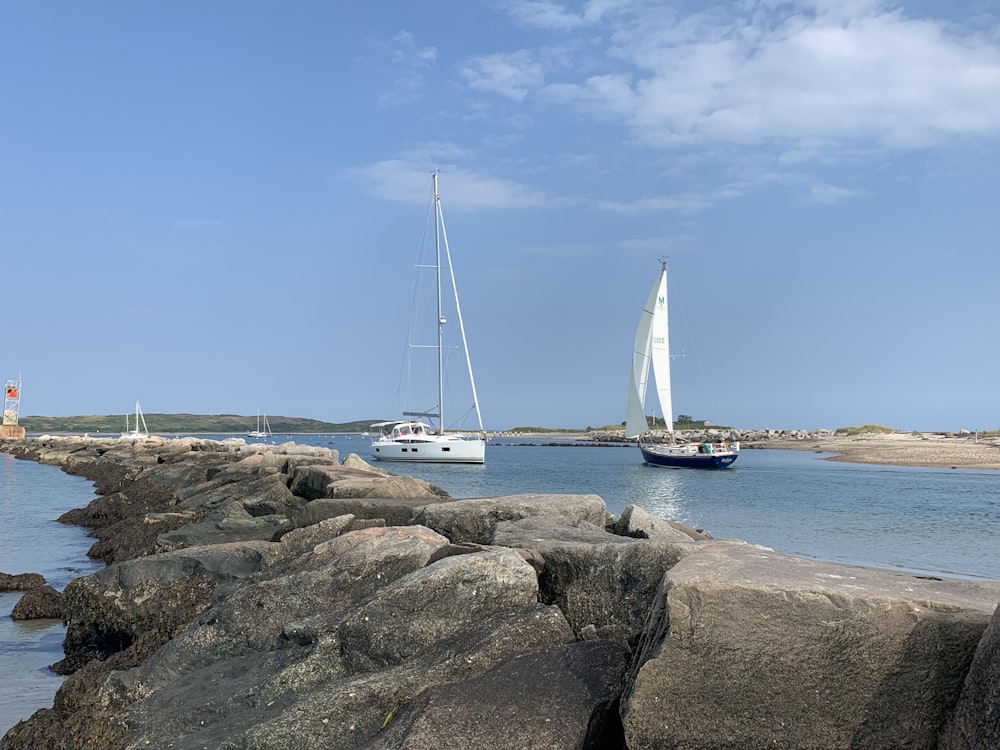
pixel 278 596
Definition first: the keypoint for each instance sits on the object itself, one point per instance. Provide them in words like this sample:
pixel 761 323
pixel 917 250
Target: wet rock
pixel 42 602
pixel 641 524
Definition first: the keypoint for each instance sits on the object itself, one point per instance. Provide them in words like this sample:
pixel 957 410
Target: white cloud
pixel 405 181
pixel 555 16
pixel 830 193
pixel 789 73
pixel 546 15
pixel 657 204
pixel 510 76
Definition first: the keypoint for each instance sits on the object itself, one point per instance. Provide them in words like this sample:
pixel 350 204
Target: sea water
pixel 32 497
pixel 935 522
pixel 929 521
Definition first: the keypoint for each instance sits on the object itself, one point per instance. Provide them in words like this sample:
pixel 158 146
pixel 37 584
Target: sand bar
pixel 901 449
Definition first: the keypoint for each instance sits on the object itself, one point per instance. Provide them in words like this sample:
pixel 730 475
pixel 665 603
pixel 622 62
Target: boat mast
pixel 440 315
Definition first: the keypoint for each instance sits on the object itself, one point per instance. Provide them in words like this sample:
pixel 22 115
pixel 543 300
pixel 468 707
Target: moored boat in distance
pixel 137 432
pixel 261 431
pixel 652 352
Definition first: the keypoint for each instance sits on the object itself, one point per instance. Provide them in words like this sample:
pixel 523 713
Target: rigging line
pixel 704 381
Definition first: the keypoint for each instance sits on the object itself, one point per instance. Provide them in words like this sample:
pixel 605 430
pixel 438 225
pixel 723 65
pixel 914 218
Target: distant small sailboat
pixel 652 349
pixel 261 431
pixel 138 431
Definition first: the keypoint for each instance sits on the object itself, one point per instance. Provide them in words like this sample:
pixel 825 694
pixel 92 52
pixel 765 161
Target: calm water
pixel 931 521
pixel 940 521
pixel 32 497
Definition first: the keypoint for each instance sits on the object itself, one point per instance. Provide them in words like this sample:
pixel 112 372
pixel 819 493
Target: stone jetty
pixel 278 596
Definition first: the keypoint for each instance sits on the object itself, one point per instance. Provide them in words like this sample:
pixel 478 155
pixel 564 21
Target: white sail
pixel 660 353
pixel 652 346
pixel 652 350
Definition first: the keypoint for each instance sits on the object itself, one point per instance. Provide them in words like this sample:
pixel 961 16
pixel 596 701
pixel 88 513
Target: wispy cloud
pixel 410 61
pixel 830 193
pixel 657 204
pixel 406 181
pixel 556 16
pixel 511 75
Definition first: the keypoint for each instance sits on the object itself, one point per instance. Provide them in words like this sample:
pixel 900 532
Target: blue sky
pixel 215 207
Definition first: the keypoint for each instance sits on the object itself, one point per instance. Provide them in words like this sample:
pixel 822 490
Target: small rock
pixel 42 602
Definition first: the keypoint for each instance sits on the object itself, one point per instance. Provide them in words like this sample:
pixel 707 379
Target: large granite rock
pixel 141 604
pixel 752 649
pixel 975 723
pixel 394 511
pixel 562 697
pixel 346 635
pixel 474 520
pixel 354 478
pixel 600 581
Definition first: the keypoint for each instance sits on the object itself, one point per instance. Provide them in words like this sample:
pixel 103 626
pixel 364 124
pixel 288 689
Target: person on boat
pixel 723 444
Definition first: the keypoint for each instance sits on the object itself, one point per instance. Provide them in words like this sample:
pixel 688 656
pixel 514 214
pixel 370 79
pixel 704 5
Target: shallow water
pixel 32 497
pixel 943 522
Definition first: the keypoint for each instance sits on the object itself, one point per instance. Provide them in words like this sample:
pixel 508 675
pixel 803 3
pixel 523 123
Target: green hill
pixel 188 423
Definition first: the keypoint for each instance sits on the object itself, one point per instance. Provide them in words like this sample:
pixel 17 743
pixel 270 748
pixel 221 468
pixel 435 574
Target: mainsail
pixel 652 346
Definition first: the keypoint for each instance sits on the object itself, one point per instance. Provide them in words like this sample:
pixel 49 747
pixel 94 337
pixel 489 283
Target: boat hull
pixel 686 459
pixel 448 451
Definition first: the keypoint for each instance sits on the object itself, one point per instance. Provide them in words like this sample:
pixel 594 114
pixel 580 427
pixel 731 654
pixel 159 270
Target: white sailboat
pixel 261 431
pixel 138 431
pixel 415 440
pixel 652 351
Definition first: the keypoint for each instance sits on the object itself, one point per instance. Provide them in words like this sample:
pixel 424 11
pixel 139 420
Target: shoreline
pixel 916 450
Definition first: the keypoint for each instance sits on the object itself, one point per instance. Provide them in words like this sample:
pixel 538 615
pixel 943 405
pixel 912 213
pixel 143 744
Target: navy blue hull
pixel 683 460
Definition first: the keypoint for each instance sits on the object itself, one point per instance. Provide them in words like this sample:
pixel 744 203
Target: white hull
pixel 446 449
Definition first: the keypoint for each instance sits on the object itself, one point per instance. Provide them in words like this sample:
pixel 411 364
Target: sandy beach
pixel 901 449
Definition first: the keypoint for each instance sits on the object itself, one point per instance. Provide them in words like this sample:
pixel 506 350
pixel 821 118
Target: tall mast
pixel 440 314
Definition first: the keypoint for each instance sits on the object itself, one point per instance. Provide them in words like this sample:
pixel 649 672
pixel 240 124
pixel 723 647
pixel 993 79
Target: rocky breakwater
pixel 274 597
